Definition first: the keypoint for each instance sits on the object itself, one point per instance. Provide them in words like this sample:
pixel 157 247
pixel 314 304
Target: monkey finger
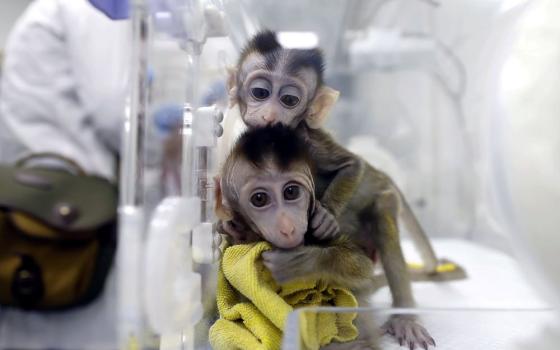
pixel 422 333
pixel 431 341
pixel 268 257
pixel 321 231
pixel 333 232
pixel 331 220
pixel 318 218
pixel 220 228
pixel 399 334
pixel 409 333
pixel 230 229
pixel 223 229
pixel 334 229
pixel 268 265
pixel 268 262
pixel 327 230
pixel 389 331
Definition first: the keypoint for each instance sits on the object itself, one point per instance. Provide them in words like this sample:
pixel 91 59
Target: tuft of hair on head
pixel 279 142
pixel 263 42
pixel 266 43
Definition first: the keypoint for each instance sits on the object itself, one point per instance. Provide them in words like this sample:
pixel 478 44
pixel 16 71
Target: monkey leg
pixel 405 328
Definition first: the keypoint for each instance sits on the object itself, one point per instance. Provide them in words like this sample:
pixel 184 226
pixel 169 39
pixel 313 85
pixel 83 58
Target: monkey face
pixel 270 97
pixel 277 203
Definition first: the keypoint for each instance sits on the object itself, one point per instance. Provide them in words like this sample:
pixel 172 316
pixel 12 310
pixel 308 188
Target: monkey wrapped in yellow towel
pixel 253 308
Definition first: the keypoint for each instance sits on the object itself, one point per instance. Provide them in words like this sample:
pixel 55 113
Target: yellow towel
pixel 253 308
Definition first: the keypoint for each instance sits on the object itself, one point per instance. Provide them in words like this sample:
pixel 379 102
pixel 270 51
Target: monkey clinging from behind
pixel 267 183
pixel 275 85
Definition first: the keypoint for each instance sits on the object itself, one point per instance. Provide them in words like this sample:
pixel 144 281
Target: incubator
pixel 424 96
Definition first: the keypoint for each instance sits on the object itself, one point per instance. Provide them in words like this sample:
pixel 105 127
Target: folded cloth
pixel 253 307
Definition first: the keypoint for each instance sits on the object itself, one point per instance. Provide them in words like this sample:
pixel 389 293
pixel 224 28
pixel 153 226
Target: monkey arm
pixel 339 263
pixel 349 171
pixel 405 328
pixel 332 158
pixel 394 265
pixel 386 237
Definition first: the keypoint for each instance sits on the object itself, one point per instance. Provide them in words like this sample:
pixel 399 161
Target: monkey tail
pixel 419 237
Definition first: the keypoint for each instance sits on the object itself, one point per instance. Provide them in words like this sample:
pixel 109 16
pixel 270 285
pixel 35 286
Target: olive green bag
pixel 57 236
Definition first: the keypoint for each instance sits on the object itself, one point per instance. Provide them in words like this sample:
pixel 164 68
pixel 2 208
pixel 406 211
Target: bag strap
pixel 56 190
pixel 59 161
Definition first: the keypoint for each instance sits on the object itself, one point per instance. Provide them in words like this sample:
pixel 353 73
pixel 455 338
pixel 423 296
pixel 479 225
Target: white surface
pixel 90 328
pixel 481 330
pixel 494 280
pixel 493 309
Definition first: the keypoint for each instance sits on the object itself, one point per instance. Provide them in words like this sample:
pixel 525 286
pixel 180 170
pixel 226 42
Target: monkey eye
pixel 259 199
pixel 289 100
pixel 260 93
pixel 291 192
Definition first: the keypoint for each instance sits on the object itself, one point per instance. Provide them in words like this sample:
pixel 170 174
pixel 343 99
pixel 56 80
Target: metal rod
pixel 131 176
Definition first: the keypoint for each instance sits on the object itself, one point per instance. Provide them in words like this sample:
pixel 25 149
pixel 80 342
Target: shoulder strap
pixel 62 200
pixel 50 160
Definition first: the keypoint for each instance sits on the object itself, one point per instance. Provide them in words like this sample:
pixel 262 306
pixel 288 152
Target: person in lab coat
pixel 63 89
pixel 64 84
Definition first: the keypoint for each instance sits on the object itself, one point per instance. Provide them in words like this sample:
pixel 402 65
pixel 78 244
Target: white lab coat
pixel 64 84
pixel 63 90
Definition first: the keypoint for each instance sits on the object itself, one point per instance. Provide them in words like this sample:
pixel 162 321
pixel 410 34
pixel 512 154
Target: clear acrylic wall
pixel 421 98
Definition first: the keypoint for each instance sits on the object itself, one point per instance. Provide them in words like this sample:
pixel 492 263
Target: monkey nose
pixel 288 231
pixel 269 118
pixel 286 227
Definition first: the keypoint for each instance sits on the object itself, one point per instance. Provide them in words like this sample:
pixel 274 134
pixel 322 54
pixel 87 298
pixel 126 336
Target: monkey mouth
pixel 292 244
pixel 258 125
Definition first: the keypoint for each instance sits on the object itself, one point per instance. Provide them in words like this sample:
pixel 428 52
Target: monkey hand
pixel 287 265
pixel 233 229
pixel 408 332
pixel 323 223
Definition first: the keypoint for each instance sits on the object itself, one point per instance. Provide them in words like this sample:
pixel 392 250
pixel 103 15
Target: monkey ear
pixel 320 106
pixel 232 85
pixel 223 212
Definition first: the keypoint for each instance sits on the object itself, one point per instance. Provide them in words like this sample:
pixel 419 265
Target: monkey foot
pixel 408 332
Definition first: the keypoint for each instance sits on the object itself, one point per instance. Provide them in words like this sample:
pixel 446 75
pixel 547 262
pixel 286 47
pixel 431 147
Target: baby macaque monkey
pixel 275 85
pixel 267 183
